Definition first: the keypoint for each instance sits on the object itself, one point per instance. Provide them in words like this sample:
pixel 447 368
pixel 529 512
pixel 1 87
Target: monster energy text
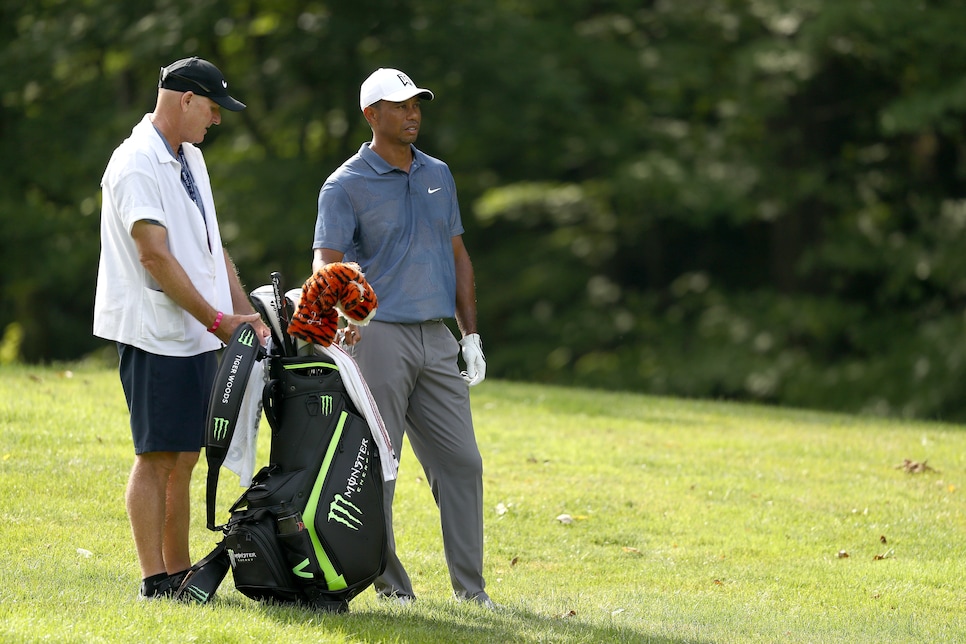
pixel 237 558
pixel 360 469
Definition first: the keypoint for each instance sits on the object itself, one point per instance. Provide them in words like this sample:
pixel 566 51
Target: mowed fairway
pixel 609 518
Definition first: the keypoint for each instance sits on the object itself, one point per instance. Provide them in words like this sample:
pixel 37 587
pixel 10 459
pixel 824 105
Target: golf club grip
pixel 288 347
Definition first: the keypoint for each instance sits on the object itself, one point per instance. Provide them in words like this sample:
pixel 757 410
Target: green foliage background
pixel 753 199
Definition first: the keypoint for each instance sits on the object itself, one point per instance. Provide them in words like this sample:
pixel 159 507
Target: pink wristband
pixel 214 325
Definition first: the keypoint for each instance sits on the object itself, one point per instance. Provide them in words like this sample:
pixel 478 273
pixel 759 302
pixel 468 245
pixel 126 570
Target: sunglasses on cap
pixel 165 74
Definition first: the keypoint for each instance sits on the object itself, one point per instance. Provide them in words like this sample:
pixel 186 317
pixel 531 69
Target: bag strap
pixel 239 355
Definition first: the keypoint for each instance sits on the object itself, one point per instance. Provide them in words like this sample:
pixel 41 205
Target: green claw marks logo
pixel 247 338
pixel 197 594
pixel 220 428
pixel 326 402
pixel 345 512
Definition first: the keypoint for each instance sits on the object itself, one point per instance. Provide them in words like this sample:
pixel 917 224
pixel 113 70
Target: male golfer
pixel 394 210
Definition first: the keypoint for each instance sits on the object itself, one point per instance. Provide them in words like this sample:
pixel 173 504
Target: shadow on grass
pixel 443 623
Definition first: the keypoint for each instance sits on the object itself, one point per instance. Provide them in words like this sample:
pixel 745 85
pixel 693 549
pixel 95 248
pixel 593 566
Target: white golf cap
pixel 386 84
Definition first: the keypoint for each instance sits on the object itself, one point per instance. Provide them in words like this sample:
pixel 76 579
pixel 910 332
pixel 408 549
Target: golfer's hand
pixel 474 359
pixel 350 335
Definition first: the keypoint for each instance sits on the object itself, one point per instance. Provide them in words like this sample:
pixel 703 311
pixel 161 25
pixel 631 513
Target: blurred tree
pixel 758 199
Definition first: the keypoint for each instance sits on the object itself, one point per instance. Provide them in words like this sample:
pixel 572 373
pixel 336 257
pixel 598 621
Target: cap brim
pixel 407 93
pixel 228 103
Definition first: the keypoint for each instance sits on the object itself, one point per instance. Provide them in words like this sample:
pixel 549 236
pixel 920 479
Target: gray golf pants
pixel 412 372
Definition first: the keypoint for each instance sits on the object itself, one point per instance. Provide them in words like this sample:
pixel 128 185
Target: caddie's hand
pixel 474 359
pixel 231 322
pixel 261 329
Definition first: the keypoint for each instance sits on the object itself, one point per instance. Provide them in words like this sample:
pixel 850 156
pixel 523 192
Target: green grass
pixel 692 521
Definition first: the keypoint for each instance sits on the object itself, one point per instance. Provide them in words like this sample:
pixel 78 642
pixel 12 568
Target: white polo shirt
pixel 143 181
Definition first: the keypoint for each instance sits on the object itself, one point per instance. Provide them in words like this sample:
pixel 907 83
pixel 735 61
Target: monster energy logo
pixel 326 401
pixel 220 427
pixel 237 558
pixel 197 594
pixel 344 512
pixel 247 337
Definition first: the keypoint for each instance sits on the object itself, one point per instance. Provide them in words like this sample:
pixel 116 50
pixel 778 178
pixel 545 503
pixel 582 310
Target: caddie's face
pixel 397 122
pixel 200 113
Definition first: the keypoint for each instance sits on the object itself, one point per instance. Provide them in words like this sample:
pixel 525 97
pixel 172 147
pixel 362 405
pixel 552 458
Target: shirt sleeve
pixel 137 197
pixel 336 223
pixel 456 221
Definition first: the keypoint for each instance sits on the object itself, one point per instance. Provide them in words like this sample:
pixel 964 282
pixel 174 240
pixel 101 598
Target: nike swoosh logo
pixel 432 190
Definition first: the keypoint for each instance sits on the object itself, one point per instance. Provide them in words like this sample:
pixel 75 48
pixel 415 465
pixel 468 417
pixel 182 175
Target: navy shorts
pixel 167 398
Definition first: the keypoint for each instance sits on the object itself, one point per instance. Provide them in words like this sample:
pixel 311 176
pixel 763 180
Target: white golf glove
pixel 474 359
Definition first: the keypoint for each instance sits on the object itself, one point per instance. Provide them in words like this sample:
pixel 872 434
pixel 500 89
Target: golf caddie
pixel 168 295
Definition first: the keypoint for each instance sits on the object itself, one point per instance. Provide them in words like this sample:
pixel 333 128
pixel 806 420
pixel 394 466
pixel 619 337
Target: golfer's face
pixel 399 121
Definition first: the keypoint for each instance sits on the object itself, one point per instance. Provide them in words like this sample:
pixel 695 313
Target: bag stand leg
pixel 204 577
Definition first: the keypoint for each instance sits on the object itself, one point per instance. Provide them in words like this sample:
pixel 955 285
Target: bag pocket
pixel 275 488
pixel 258 567
pixel 297 546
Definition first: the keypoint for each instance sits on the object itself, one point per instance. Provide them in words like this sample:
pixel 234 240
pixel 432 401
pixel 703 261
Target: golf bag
pixel 311 528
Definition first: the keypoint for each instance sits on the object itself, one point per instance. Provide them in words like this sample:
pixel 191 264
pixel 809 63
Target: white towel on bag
pixel 241 457
pixel 362 398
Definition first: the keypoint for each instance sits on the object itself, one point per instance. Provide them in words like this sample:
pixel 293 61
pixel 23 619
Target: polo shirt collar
pixel 157 142
pixel 381 166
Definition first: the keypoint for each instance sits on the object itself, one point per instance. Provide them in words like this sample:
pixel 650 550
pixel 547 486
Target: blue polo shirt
pixel 399 227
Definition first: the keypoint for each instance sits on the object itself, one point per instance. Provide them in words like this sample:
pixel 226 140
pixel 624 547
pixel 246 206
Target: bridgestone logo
pixel 219 428
pixel 345 512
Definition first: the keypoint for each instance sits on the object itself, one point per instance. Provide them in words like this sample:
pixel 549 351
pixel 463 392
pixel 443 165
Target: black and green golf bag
pixel 311 528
